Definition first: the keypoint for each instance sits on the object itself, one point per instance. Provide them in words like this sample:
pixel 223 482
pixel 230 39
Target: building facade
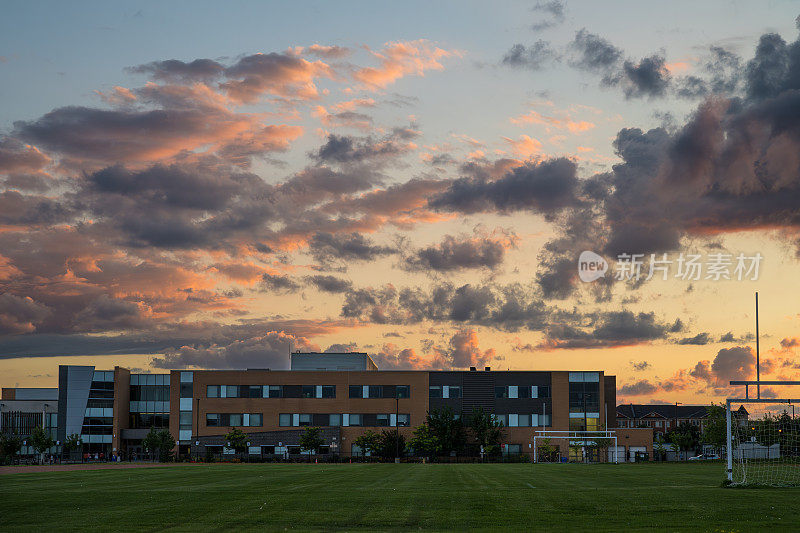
pixel 113 410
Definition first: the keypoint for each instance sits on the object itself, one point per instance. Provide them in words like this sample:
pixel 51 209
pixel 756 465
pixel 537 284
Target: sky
pixel 192 185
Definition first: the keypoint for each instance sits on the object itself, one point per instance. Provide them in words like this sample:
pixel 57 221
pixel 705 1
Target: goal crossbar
pixel 575 436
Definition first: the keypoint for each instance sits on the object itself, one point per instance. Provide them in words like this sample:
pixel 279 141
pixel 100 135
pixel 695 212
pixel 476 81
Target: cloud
pixel 544 187
pixel 594 53
pixel 639 366
pixel 455 253
pixel 279 283
pixel 346 149
pixel 553 14
pixel 649 77
pixel 267 351
pixel 463 351
pixel 637 388
pixel 330 284
pixel 328 248
pixel 20 314
pixel 400 59
pixel 533 57
pixel 327 52
pixel 698 340
pixel 175 70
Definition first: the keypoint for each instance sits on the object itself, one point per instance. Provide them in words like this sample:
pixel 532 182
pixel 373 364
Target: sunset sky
pixel 190 184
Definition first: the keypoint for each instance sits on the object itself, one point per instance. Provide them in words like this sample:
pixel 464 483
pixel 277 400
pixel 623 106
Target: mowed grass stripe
pixel 674 497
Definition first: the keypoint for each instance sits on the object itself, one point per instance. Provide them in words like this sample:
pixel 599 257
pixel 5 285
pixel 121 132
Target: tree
pixel 41 441
pixel 237 439
pixel 72 442
pixel 159 442
pixel 368 442
pixel 311 439
pixel 658 447
pixel 547 452
pixel 10 445
pixel 487 429
pixel 601 444
pixel 684 437
pixel 389 442
pixel 424 442
pixel 715 431
pixel 448 430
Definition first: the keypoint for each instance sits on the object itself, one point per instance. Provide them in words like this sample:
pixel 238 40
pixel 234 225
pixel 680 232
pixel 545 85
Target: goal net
pixel 763 442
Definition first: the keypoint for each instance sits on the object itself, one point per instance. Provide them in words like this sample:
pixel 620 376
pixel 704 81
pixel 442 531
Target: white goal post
pixel 763 439
pixel 583 438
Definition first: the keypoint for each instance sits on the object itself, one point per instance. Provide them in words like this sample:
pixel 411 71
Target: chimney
pixel 487 369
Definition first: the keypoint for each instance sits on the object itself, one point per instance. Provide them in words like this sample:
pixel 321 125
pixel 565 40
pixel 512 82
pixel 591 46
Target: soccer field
pixel 628 497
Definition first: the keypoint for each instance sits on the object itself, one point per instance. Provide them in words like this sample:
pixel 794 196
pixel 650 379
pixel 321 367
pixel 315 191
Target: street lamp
pixel 397 423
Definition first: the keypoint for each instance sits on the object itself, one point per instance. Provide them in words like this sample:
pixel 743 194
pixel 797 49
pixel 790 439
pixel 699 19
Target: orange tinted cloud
pixel 399 59
pixel 553 121
pixel 525 146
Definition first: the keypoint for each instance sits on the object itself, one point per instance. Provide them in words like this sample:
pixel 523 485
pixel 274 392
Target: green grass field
pixel 672 497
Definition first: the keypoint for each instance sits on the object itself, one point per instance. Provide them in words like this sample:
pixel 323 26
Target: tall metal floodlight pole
pixel 758 365
pixel 397 423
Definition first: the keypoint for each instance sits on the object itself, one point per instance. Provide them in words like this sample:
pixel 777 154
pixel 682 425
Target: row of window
pixel 344 419
pixel 150 393
pixel 149 420
pixel 150 379
pixel 307 391
pixel 271 391
pixel 234 420
pixel 522 391
pixel 524 420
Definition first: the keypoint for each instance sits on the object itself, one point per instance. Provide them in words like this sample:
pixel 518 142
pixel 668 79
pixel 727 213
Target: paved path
pixel 29 469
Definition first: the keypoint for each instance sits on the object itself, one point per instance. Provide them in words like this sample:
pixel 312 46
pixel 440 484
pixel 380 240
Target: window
pixel 501 392
pixel 329 391
pixel 513 448
pixel 235 420
pixel 403 420
pixel 524 392
pixel 503 419
pixel 212 391
pixel 355 420
pixel 335 420
pixel 375 391
pixel 186 390
pixel 253 391
pixel 435 391
pixel 544 392
pixel 524 420
pixel 185 420
pixel 309 391
pixel 275 391
pixel 403 391
pixel 382 420
pixel 584 396
pixel 455 391
pixel 356 391
pixel 212 420
pixel 284 419
pixel 256 419
pixel 231 391
pixel 305 419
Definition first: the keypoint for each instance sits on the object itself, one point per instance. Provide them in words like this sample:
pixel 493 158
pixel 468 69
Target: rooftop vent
pixel 472 369
pixel 487 369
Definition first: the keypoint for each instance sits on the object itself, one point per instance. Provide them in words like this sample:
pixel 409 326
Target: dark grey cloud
pixel 639 366
pixel 637 388
pixel 533 57
pixel 730 337
pixel 330 248
pixel 701 339
pixel 19 314
pixel 345 149
pixel 551 13
pixel 279 283
pixel 455 253
pixel 545 187
pixel 330 283
pixel 267 351
pixel 594 53
pixel 649 77
pixel 203 70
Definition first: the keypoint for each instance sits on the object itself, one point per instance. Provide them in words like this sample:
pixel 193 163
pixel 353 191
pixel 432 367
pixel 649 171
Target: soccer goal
pixel 763 435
